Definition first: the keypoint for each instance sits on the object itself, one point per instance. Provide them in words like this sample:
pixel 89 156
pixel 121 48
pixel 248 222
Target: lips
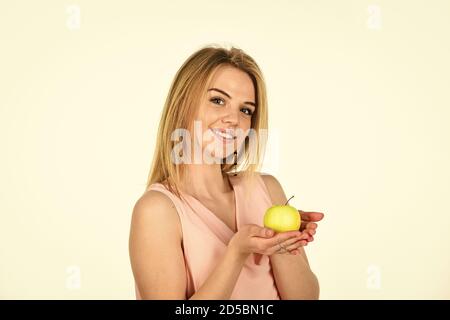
pixel 224 133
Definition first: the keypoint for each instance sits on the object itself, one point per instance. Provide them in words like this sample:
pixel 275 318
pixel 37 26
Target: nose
pixel 231 118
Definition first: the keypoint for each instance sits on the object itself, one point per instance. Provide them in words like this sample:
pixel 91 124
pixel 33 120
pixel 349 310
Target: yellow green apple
pixel 281 218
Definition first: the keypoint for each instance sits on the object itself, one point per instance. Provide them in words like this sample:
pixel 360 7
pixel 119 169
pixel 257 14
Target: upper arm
pixel 275 189
pixel 155 248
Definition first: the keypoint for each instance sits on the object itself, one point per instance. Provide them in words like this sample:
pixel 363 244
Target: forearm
pixel 221 282
pixel 294 278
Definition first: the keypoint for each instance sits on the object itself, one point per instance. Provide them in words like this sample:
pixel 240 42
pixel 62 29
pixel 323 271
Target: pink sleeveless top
pixel 205 239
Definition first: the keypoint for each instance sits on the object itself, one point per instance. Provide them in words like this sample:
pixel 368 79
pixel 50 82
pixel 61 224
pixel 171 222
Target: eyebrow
pixel 223 92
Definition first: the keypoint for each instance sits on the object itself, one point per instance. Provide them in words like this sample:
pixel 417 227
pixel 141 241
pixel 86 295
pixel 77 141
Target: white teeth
pixel 224 134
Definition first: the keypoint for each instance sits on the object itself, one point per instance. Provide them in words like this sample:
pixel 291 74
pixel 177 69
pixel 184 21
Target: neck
pixel 205 181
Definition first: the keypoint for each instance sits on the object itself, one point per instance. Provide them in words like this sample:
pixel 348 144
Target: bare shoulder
pixel 154 208
pixel 155 248
pixel 274 187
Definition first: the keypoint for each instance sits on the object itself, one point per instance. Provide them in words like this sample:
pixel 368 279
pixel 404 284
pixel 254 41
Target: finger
pixel 268 233
pixel 281 246
pixel 304 235
pixel 277 249
pixel 308 234
pixel 291 241
pixel 311 233
pixel 281 237
pixel 306 225
pixel 311 215
pixel 281 249
pixel 257 231
pixel 296 245
pixel 311 225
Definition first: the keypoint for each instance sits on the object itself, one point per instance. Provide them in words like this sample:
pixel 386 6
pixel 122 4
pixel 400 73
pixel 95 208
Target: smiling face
pixel 226 111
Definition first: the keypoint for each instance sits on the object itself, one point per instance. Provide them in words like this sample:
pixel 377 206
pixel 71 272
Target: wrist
pixel 236 255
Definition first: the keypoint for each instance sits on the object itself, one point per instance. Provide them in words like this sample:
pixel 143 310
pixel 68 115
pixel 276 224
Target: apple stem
pixel 288 200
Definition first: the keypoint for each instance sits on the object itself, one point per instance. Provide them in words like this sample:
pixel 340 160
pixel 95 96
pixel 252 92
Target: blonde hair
pixel 187 88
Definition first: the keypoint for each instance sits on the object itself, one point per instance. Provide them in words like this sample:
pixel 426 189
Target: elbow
pixel 313 290
pixel 308 289
pixel 315 287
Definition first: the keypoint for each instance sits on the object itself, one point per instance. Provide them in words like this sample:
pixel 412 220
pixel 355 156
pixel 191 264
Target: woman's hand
pixel 252 238
pixel 309 219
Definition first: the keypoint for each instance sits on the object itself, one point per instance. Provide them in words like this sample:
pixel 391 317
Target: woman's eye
pixel 221 102
pixel 247 111
pixel 213 100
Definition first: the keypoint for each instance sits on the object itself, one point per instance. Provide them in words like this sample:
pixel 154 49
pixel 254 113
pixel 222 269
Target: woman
pixel 196 232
